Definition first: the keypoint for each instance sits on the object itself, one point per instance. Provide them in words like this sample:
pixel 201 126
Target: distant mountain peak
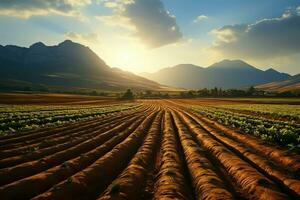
pixel 38 45
pixel 186 66
pixel 271 70
pixel 68 43
pixel 275 72
pixel 231 64
pixel 233 61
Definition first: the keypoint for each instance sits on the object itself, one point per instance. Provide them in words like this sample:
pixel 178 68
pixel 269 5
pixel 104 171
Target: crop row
pixel 289 112
pixel 32 120
pixel 281 133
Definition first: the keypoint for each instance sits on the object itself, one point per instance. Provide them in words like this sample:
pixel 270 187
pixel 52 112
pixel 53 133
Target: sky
pixel 148 35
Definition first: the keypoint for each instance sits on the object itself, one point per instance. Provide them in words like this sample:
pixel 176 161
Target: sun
pixel 127 59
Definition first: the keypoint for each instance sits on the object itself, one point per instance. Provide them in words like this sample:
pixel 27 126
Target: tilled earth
pixel 159 151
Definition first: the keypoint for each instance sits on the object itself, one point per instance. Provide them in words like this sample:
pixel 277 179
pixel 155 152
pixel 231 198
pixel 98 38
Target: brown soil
pixel 162 149
pixel 55 99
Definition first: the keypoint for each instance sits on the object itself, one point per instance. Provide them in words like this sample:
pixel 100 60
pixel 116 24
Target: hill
pixel 225 74
pixel 291 84
pixel 65 66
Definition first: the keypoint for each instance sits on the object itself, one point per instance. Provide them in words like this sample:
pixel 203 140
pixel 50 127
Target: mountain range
pixel 225 74
pixel 72 66
pixel 65 66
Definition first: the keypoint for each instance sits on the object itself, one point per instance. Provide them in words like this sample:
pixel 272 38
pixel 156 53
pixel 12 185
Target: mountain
pixel 291 84
pixel 225 74
pixel 67 65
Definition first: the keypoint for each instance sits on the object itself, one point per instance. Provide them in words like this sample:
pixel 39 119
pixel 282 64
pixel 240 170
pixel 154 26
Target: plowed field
pixel 158 151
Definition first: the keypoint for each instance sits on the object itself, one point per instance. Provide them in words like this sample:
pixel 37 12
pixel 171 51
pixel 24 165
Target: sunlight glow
pixel 127 57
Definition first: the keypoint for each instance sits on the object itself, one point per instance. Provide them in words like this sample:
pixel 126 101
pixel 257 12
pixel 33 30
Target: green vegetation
pixel 290 112
pixel 15 118
pixel 219 92
pixel 286 134
pixel 128 95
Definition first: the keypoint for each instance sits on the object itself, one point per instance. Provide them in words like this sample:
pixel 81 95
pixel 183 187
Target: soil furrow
pixel 132 179
pixel 286 181
pixel 57 144
pixel 251 181
pixel 170 181
pixel 289 162
pixel 30 168
pixel 207 184
pixel 54 132
pixel 39 183
pixel 91 181
pixel 71 140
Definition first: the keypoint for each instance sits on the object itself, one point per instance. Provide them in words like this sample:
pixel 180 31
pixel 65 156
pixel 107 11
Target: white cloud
pixel 116 20
pixel 200 18
pixel 116 5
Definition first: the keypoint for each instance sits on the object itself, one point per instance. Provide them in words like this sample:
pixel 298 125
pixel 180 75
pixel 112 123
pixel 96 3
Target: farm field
pixel 150 149
pixel 53 99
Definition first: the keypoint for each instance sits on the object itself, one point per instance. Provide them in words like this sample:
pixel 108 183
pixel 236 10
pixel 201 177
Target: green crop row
pixel 32 119
pixel 290 112
pixel 281 133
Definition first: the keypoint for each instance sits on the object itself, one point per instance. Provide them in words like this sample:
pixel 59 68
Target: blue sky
pixel 147 35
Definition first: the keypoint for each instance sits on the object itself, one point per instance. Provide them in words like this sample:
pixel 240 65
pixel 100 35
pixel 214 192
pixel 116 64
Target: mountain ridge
pixel 66 65
pixel 225 74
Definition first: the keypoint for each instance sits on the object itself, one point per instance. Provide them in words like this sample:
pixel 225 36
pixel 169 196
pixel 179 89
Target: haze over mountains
pixel 225 74
pixel 66 66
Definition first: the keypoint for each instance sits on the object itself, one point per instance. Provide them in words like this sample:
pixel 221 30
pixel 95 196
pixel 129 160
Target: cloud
pixel 116 20
pixel 28 8
pixel 268 38
pixel 86 37
pixel 200 18
pixel 116 5
pixel 149 20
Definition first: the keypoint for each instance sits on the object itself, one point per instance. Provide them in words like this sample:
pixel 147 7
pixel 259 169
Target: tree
pixel 128 95
pixel 214 92
pixel 148 93
pixel 251 91
pixel 203 93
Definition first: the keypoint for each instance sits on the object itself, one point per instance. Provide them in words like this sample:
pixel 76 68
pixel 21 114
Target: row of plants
pixel 290 112
pixel 18 119
pixel 281 133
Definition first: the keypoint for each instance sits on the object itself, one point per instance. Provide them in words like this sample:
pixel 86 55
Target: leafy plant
pixel 277 132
